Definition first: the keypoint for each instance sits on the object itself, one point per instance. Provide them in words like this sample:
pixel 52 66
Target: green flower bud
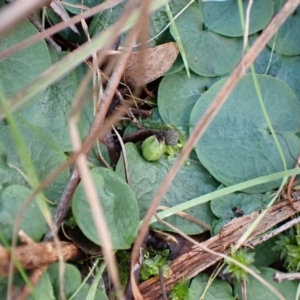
pixel 153 147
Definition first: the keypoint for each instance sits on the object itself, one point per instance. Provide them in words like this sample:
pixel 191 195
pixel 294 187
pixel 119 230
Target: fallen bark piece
pixel 196 260
pixel 37 255
pixel 156 62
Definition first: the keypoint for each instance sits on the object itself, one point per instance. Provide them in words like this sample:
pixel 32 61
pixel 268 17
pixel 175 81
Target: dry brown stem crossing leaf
pixel 60 10
pixel 38 255
pixel 196 260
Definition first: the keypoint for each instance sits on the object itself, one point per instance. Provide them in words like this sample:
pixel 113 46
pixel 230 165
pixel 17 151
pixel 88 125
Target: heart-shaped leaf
pixel 119 206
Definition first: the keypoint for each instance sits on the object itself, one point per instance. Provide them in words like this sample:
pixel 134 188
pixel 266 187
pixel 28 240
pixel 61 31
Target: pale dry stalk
pixel 86 178
pixel 58 27
pixel 16 11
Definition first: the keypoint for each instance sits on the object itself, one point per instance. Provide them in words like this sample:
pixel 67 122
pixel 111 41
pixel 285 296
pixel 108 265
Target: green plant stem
pixel 93 289
pixel 241 12
pixel 178 39
pixel 225 191
pixel 266 115
pixel 85 279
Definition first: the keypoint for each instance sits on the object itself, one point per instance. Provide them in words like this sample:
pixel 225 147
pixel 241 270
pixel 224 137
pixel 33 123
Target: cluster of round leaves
pixel 213 46
pixel 238 145
pixel 212 34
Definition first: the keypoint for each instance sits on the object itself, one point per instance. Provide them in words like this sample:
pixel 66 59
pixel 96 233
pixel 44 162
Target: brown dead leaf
pixel 157 61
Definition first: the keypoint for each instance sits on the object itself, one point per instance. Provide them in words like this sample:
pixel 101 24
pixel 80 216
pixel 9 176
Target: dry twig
pixel 195 261
pixel 279 277
pixel 15 12
pixel 37 255
pixel 54 29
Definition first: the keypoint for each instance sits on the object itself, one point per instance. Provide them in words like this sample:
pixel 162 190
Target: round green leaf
pixel 256 290
pixel 177 95
pixel 223 17
pixel 208 54
pixel 287 69
pixel 237 204
pixel 45 155
pixel 71 279
pixel 238 146
pixel 119 206
pixel 53 107
pixel 24 66
pixel 287 39
pixel 11 202
pixel 191 181
pixel 218 289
